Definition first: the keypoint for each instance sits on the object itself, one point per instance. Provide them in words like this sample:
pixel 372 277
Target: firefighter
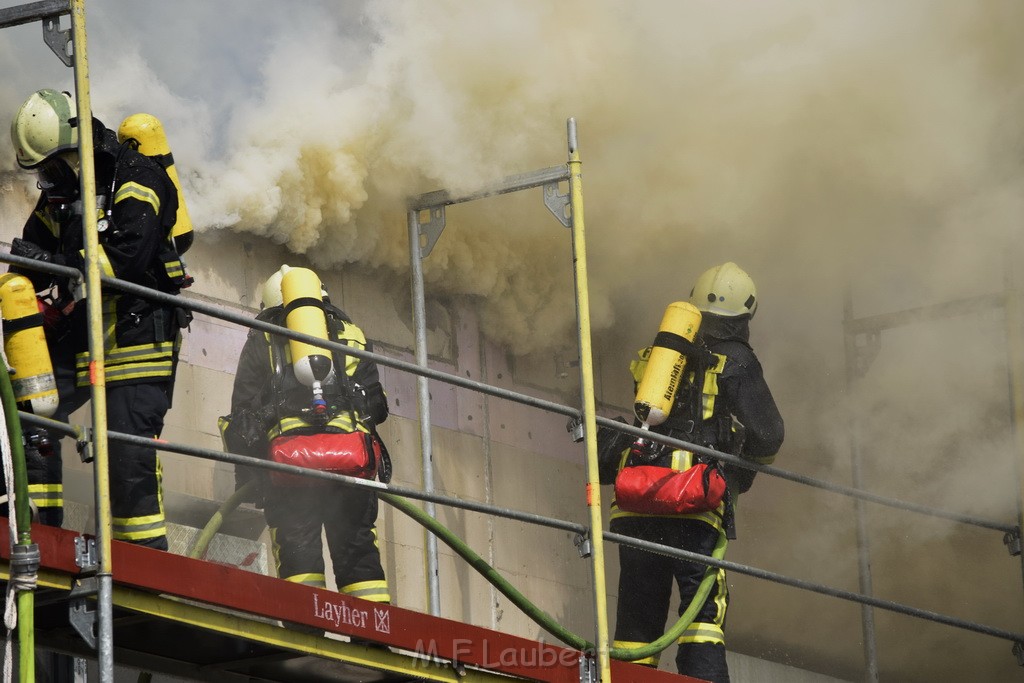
pixel 725 404
pixel 137 204
pixel 273 404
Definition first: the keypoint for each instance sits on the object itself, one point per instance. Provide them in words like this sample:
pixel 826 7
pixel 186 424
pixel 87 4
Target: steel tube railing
pixel 532 518
pixel 198 306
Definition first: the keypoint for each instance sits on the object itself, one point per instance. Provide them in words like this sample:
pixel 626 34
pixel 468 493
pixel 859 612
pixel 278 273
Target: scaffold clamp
pixel 82 444
pixel 1011 539
pixel 588 668
pixel 85 554
pixel 582 543
pixel 575 427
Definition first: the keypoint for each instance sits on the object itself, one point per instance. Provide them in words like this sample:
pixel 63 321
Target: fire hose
pixel 535 613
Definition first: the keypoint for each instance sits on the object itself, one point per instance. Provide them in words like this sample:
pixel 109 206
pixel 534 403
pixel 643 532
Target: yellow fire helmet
pixel 725 290
pixel 42 127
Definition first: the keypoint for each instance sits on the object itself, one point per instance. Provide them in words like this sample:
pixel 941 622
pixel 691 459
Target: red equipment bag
pixel 653 490
pixel 354 454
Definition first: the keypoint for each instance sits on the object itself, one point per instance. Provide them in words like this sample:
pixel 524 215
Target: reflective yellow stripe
pixel 174 269
pixel 721 598
pixel 51 225
pixel 103 260
pixel 140 352
pixel 633 645
pixel 712 517
pixel 342 421
pixel 47 495
pixel 702 633
pixel 312 579
pixel 710 391
pixel 132 190
pixel 354 337
pixel 137 528
pixel 131 362
pixel 638 365
pixel 374 591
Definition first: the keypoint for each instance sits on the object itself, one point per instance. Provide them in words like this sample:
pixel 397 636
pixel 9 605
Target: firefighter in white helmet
pixel 137 203
pixel 300 404
pixel 725 404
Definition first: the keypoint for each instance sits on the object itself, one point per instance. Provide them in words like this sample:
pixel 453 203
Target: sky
pixel 869 149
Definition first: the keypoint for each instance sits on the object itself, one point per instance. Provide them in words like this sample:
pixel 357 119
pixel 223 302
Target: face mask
pixel 58 180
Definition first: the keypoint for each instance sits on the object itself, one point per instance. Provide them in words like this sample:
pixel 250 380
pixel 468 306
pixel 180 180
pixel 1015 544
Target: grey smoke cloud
pixel 873 145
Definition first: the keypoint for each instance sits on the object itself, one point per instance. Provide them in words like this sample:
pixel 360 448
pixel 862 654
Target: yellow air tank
pixel 35 388
pixel 148 132
pixel 303 305
pixel 657 388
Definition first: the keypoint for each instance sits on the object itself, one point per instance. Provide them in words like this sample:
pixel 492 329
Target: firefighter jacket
pixel 724 404
pixel 268 401
pixel 137 205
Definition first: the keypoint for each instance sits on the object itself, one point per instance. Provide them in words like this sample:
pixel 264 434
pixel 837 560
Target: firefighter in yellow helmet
pixel 724 403
pixel 137 203
pixel 303 405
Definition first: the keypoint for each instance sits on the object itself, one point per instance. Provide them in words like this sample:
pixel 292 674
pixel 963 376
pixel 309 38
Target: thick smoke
pixel 869 146
pixel 813 144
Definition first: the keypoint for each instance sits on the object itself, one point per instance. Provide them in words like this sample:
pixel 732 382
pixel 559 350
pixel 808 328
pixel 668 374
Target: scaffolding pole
pixel 423 235
pixel 867 615
pixel 1015 362
pixel 859 357
pixel 97 375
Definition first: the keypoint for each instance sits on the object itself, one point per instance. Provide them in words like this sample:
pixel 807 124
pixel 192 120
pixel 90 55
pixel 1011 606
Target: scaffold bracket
pixel 80 616
pixel 866 351
pixel 58 40
pixel 1011 539
pixel 558 204
pixel 431 230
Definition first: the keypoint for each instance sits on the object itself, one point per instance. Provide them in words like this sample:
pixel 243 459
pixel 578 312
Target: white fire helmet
pixel 725 290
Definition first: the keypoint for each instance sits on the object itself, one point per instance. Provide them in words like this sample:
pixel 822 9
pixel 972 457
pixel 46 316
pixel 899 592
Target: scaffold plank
pixel 234 618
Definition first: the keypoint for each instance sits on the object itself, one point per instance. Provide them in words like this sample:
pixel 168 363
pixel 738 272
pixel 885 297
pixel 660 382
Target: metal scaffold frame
pixel 568 209
pixel 862 343
pixel 426 218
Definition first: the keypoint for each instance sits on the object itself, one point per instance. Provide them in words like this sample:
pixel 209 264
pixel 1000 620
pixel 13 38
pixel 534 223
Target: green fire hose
pixel 539 616
pixel 24 553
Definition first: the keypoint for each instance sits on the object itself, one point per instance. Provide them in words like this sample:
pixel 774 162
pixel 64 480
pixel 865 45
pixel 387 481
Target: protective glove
pixel 26 249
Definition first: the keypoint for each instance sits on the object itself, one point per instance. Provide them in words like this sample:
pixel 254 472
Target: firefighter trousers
pixel 136 499
pixel 297 513
pixel 645 590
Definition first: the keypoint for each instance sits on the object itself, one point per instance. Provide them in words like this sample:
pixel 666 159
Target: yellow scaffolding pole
pixel 97 376
pixel 579 248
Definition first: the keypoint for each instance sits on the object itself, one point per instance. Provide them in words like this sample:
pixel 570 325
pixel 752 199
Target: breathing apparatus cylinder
pixel 666 364
pixel 304 312
pixel 148 132
pixel 35 388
